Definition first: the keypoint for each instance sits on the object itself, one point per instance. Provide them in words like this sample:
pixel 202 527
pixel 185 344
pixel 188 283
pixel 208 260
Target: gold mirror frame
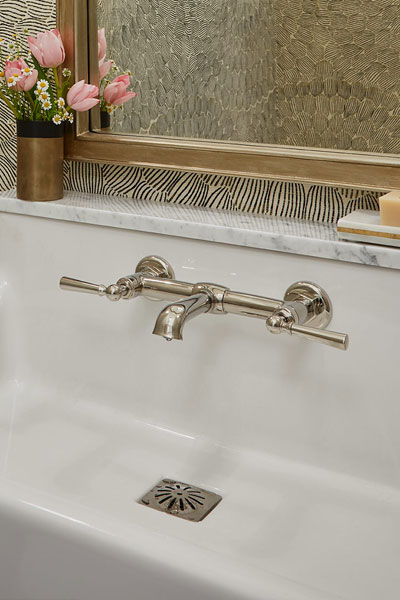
pixel 77 21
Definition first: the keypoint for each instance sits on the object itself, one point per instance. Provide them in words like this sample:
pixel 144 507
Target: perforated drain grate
pixel 181 500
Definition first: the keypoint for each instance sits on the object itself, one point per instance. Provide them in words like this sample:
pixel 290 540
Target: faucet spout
pixel 172 319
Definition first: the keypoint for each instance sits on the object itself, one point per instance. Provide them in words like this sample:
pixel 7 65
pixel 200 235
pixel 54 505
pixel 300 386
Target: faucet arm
pixel 172 318
pixel 155 288
pixel 249 305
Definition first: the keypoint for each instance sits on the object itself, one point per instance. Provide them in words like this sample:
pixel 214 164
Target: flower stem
pixel 35 106
pixel 2 96
pixel 31 101
pixel 57 82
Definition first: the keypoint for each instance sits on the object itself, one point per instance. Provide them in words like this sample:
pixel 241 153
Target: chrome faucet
pixel 171 320
pixel 305 311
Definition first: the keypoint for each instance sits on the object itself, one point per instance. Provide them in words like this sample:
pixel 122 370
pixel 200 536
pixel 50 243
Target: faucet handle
pixel 126 287
pixel 122 289
pixel 277 323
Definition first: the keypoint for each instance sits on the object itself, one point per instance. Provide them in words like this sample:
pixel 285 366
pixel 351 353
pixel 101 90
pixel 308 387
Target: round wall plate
pixel 156 266
pixel 317 301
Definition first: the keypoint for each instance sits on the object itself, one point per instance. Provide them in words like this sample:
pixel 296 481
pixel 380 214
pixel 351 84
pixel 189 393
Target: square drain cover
pixel 181 500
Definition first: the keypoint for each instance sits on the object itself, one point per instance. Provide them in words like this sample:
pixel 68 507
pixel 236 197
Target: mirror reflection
pixel 304 73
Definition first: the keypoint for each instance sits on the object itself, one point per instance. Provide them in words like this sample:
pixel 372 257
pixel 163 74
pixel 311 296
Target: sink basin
pixel 300 441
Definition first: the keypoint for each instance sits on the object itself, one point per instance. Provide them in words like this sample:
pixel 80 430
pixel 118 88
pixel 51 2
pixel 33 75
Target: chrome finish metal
pixel 126 287
pixel 115 292
pixel 181 500
pixel 283 320
pixel 132 285
pixel 306 303
pixel 314 299
pixel 249 305
pixel 165 289
pixel 76 285
pixel 217 295
pixel 155 266
pixel 112 292
pixel 340 341
pixel 305 310
pixel 171 320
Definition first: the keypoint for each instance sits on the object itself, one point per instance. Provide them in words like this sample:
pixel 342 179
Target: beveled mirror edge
pixel 77 21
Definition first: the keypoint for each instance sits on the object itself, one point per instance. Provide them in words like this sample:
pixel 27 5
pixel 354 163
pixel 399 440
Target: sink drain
pixel 181 500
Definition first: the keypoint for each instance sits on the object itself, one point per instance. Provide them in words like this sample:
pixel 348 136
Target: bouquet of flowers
pixel 113 92
pixel 32 87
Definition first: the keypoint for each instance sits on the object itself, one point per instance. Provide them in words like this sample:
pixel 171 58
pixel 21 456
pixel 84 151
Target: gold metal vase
pixel 40 154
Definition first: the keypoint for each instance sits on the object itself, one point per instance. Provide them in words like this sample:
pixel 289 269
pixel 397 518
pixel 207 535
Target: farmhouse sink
pixel 300 441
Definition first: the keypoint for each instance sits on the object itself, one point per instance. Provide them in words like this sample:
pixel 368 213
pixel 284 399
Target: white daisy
pixel 2 76
pixel 61 103
pixel 71 118
pixel 42 85
pixel 36 92
pixel 12 80
pixel 109 109
pixel 44 96
pixel 65 115
pixel 11 47
pixel 66 72
pixel 27 71
pixel 57 120
pixel 46 105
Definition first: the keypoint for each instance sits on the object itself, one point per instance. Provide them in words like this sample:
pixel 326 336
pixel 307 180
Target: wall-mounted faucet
pixel 305 310
pixel 171 320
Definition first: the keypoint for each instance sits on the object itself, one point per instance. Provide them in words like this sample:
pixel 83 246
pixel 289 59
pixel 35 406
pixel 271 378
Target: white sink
pixel 301 441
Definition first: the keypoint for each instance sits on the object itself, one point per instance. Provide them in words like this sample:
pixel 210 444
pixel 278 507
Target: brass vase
pixel 40 154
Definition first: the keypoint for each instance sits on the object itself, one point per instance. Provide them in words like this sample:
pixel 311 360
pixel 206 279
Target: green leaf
pixel 43 75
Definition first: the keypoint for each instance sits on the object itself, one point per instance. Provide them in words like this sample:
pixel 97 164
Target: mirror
pixel 327 115
pixel 299 73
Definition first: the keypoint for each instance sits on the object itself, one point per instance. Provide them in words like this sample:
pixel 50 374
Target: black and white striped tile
pixel 259 196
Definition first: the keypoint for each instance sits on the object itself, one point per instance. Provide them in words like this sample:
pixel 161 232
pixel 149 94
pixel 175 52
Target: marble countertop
pixel 240 229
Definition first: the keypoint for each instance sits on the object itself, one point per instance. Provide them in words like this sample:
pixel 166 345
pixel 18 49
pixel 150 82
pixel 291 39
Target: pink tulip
pixel 102 43
pixel 16 67
pixel 82 96
pixel 48 48
pixel 104 67
pixel 115 92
